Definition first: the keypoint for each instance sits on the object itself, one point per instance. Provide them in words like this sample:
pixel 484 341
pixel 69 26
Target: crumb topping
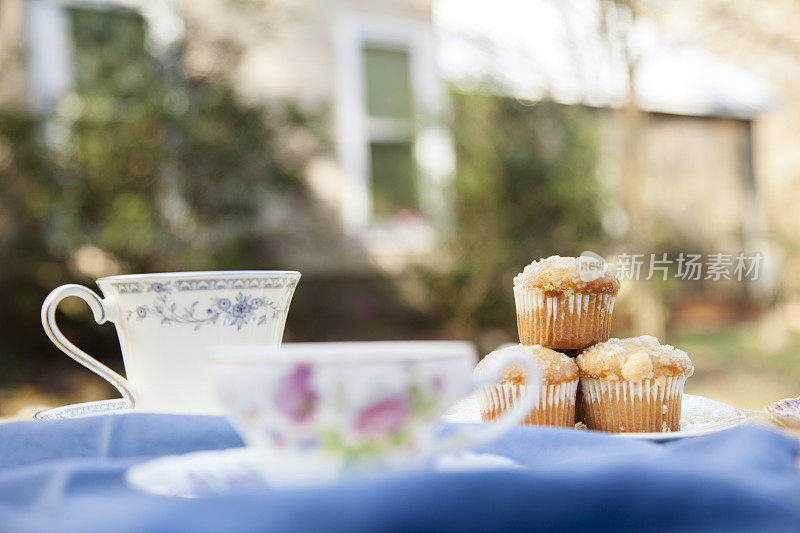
pixel 634 359
pixel 557 274
pixel 554 366
pixel 638 366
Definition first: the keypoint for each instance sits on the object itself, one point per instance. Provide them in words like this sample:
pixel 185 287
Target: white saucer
pixel 220 472
pixel 699 416
pixel 79 410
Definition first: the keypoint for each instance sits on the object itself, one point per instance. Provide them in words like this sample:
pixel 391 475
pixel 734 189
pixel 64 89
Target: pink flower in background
pixel 383 418
pixel 295 398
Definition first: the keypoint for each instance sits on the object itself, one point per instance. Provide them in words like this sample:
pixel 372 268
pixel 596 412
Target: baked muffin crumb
pixel 554 366
pixel 634 359
pixel 556 274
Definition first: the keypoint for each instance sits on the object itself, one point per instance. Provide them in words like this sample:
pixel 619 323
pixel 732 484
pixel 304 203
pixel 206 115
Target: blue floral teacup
pixel 314 411
pixel 165 323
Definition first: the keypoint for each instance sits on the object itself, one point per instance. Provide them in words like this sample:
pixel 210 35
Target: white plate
pixel 79 410
pixel 699 416
pixel 219 472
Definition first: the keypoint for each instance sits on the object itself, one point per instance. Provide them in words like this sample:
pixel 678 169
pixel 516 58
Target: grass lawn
pixel 747 365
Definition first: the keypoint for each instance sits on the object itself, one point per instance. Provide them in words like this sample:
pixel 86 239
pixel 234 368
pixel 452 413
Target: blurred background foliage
pixel 138 170
pixel 143 169
pixel 526 187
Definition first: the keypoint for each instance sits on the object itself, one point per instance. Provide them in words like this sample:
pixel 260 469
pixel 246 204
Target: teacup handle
pixel 466 437
pixel 96 304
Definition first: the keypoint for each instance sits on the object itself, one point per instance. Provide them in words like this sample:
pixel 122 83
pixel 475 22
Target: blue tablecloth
pixel 67 476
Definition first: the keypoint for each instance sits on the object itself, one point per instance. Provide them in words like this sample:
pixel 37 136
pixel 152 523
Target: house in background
pixel 372 64
pixel 699 109
pixel 384 69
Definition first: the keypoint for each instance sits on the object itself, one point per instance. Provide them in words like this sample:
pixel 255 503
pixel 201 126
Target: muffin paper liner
pixel 565 321
pixel 633 406
pixel 556 406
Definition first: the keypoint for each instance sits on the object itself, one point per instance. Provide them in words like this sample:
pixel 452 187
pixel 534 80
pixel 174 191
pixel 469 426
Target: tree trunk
pixel 647 307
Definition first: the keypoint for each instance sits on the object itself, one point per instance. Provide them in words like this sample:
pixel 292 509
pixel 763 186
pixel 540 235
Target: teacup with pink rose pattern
pixel 345 407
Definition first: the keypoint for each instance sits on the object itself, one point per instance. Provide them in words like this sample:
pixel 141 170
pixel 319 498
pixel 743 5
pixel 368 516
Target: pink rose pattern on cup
pixel 383 418
pixel 295 398
pixel 375 426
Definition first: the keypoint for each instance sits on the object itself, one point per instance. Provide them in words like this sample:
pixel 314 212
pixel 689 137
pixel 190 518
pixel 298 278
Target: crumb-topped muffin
pixel 555 275
pixel 633 385
pixel 562 305
pixel 559 375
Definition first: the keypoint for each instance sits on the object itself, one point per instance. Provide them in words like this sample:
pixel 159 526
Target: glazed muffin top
pixel 557 274
pixel 633 359
pixel 554 366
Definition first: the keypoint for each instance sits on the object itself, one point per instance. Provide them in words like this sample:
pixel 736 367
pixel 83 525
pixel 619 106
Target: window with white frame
pixel 394 151
pixel 89 45
pixel 390 132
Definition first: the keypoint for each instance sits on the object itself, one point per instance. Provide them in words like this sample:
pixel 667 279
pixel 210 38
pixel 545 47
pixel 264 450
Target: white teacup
pixel 165 323
pixel 317 410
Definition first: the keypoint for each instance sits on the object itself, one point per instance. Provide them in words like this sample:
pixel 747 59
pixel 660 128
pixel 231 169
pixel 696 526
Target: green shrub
pixel 526 187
